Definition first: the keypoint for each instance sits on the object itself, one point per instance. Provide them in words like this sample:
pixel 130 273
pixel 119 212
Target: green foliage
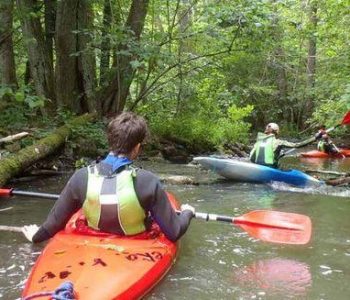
pixel 205 130
pixel 14 118
pixel 92 133
pixel 24 95
pixel 80 163
pixel 331 111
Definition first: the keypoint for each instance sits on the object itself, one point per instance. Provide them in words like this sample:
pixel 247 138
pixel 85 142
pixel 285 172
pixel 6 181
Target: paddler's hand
pixel 188 207
pixel 29 231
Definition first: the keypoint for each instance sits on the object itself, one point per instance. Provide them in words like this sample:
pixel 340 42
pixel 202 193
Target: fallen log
pixel 338 181
pixel 326 172
pixel 16 163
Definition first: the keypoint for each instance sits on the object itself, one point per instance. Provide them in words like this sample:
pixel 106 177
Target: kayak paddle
pixel 266 225
pixel 11 192
pixel 270 226
pixel 10 228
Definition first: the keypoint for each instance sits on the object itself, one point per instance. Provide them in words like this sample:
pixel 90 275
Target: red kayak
pixel 320 154
pixel 99 265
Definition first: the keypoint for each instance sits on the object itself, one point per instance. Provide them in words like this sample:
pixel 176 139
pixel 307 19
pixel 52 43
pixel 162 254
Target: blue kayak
pixel 244 171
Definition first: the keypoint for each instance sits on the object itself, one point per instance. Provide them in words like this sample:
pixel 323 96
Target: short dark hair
pixel 125 132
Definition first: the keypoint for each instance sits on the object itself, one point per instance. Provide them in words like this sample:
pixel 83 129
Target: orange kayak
pixel 319 154
pixel 100 265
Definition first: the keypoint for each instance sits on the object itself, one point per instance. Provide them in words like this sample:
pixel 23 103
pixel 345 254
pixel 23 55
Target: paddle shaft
pixel 198 215
pixel 345 121
pixel 208 217
pixel 10 228
pixel 270 226
pixel 11 192
pixel 213 217
pixel 34 194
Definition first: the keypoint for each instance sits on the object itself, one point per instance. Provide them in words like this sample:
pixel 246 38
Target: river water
pixel 220 261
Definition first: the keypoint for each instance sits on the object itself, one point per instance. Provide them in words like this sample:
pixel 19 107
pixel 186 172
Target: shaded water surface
pixel 220 261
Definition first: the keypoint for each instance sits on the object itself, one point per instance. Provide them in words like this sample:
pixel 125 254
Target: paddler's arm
pixel 70 200
pixel 154 199
pixel 286 144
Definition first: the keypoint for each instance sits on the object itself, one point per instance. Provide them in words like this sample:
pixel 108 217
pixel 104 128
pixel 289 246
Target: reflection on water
pixel 277 276
pixel 266 200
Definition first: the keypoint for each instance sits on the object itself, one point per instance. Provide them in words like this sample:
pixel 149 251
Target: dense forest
pixel 206 71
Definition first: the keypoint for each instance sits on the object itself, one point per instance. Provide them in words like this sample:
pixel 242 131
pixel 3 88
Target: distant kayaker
pixel 268 148
pixel 115 196
pixel 325 143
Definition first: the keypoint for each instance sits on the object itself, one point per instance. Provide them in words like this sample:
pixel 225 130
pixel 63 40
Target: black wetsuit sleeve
pixel 69 201
pixel 153 198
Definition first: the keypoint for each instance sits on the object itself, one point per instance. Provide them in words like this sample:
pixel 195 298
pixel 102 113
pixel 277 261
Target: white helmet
pixel 274 127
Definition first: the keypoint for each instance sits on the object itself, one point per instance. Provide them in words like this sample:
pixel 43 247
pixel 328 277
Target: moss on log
pixel 16 163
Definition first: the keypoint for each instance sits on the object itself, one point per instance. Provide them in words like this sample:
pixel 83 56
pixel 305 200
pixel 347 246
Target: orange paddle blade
pixel 346 119
pixel 275 226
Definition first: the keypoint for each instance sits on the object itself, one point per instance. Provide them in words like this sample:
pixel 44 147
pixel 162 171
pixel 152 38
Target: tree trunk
pixel 311 59
pixel 114 96
pixel 278 58
pixel 39 58
pixel 27 74
pixel 281 78
pixel 184 47
pixel 66 59
pixel 17 163
pixel 86 59
pixel 7 58
pixel 50 20
pixel 75 62
pixel 106 42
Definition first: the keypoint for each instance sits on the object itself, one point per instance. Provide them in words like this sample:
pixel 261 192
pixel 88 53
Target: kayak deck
pixel 320 154
pixel 102 267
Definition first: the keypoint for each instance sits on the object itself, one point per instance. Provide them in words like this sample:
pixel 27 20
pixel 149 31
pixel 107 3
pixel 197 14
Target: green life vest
pixel 263 150
pixel 321 146
pixel 111 203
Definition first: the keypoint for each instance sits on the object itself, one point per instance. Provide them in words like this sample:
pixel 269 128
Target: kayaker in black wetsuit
pixel 325 143
pixel 115 196
pixel 268 148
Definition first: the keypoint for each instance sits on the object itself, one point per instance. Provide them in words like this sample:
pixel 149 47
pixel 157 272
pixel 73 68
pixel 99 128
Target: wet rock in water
pixel 178 179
